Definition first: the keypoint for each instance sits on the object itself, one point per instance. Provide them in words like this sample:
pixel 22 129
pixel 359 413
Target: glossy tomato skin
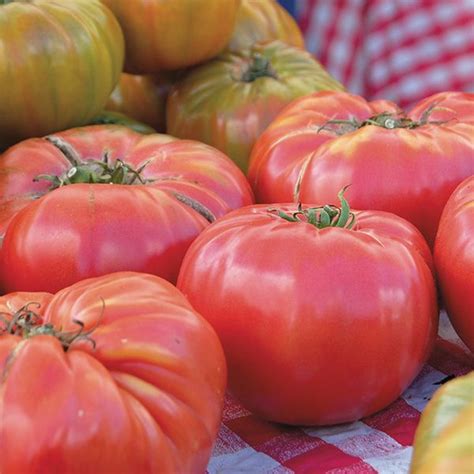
pixel 60 65
pixel 53 239
pixel 142 97
pixel 443 440
pixel 169 35
pixel 147 398
pixel 260 21
pixel 408 171
pixel 217 104
pixel 454 259
pixel 319 326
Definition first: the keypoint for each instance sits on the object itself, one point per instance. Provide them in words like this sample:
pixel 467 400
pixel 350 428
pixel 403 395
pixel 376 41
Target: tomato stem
pixel 323 216
pixel 259 67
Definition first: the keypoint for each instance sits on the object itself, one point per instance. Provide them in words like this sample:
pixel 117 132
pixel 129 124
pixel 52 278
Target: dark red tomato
pixel 454 259
pixel 116 374
pixel 405 164
pixel 319 325
pixel 164 192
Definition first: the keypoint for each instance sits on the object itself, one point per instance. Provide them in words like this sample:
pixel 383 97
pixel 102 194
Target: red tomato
pixel 454 259
pixel 410 169
pixel 142 392
pixel 319 326
pixel 141 223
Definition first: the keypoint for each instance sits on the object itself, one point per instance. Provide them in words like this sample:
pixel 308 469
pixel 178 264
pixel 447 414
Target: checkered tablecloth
pixel 380 443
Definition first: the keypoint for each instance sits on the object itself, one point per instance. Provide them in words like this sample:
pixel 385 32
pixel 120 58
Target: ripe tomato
pixel 59 65
pixel 319 325
pixel 142 98
pixel 260 21
pixel 408 165
pixel 454 259
pixel 171 34
pixel 164 192
pixel 443 440
pixel 229 101
pixel 113 374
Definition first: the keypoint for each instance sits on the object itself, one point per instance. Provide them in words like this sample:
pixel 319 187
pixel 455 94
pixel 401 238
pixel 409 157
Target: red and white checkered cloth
pixel 401 50
pixel 381 443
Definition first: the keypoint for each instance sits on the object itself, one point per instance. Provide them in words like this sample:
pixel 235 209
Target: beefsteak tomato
pixel 229 101
pixel 60 62
pixel 454 259
pixel 321 323
pixel 260 21
pixel 113 374
pixel 405 164
pixel 444 440
pixel 99 199
pixel 171 34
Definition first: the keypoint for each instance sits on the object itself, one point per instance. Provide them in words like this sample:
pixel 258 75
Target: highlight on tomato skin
pixel 94 200
pixel 113 374
pixel 325 314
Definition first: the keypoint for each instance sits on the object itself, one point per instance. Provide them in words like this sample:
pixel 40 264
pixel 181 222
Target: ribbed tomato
pixel 229 101
pixel 405 164
pixel 122 201
pixel 454 259
pixel 172 34
pixel 116 374
pixel 260 21
pixel 60 62
pixel 321 322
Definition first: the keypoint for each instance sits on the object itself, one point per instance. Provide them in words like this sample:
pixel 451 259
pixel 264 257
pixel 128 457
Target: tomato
pixel 117 118
pixel 170 34
pixel 408 165
pixel 164 192
pixel 59 65
pixel 454 259
pixel 259 21
pixel 142 98
pixel 113 374
pixel 319 325
pixel 443 440
pixel 229 101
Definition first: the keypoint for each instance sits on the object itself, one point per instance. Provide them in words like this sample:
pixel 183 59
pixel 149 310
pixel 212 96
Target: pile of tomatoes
pixel 190 203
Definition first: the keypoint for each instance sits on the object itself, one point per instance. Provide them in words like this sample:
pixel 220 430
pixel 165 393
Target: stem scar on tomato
pixel 321 217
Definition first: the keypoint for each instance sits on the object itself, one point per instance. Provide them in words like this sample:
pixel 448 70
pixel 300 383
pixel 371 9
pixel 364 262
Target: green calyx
pixel 260 66
pixel 97 172
pixel 324 216
pixel 26 323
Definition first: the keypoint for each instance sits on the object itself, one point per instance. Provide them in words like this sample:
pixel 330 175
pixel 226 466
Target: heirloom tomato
pixel 60 61
pixel 99 199
pixel 454 259
pixel 173 34
pixel 229 101
pixel 405 164
pixel 325 316
pixel 115 374
pixel 108 117
pixel 261 21
pixel 444 439
pixel 142 98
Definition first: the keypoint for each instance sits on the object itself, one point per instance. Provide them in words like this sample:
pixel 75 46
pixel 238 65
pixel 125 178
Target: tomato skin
pixel 53 239
pixel 443 440
pixel 168 35
pixel 260 21
pixel 318 326
pixel 142 97
pixel 147 399
pixel 60 65
pixel 454 259
pixel 215 104
pixel 410 172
